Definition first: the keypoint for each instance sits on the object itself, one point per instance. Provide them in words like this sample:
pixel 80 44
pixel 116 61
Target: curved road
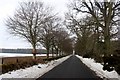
pixel 69 69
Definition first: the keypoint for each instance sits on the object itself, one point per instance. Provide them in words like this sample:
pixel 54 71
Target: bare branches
pixel 28 20
pixel 105 16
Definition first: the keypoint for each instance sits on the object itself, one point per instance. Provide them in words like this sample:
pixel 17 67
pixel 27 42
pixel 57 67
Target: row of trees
pixel 94 31
pixel 38 24
pixel 97 28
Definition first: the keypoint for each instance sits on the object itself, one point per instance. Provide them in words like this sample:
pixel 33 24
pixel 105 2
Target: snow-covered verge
pixel 97 67
pixel 34 71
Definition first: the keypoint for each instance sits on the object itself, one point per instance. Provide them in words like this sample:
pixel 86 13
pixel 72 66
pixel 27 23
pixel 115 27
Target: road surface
pixel 69 69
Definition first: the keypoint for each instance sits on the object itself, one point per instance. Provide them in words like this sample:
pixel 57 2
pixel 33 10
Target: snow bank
pixel 97 67
pixel 34 71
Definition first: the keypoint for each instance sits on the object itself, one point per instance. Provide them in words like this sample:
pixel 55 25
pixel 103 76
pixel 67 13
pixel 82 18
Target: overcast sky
pixel 7 8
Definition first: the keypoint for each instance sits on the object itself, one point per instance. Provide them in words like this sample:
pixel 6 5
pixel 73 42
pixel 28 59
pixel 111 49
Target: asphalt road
pixel 72 68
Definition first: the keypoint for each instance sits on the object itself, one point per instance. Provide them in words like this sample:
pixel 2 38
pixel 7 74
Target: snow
pixel 40 69
pixel 34 71
pixel 19 54
pixel 97 67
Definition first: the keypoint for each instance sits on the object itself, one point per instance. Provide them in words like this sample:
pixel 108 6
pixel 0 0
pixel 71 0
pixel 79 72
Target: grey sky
pixel 7 8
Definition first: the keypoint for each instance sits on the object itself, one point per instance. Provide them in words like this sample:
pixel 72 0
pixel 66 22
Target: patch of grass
pixel 15 63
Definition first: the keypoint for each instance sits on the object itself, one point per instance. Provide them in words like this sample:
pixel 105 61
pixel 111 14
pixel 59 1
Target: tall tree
pixel 105 17
pixel 27 22
pixel 47 35
pixel 84 30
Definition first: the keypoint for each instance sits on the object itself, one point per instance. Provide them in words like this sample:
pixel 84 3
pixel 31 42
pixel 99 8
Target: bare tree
pixel 105 18
pixel 62 42
pixel 84 30
pixel 27 22
pixel 47 35
pixel 66 45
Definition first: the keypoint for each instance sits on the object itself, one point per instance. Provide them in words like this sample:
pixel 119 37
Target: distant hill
pixel 27 51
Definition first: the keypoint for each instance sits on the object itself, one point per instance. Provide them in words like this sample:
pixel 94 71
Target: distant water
pixel 18 54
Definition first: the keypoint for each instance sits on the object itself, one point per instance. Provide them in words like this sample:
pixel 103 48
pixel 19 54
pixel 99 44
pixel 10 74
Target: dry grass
pixel 13 60
pixel 13 63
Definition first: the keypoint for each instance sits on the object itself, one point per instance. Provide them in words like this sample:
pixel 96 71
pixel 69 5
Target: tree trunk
pixel 52 52
pixel 107 30
pixel 56 52
pixel 34 53
pixel 47 53
pixel 107 44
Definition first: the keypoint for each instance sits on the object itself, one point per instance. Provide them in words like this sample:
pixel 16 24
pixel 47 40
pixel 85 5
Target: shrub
pixel 112 61
pixel 20 64
pixel 117 68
